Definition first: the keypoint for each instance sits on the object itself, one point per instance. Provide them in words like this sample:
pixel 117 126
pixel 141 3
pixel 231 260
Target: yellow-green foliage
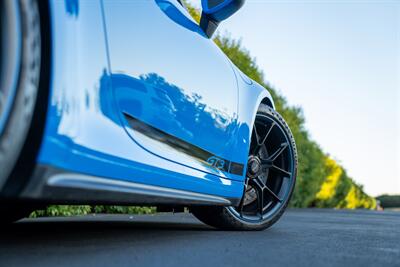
pixel 328 188
pixel 340 191
pixel 356 199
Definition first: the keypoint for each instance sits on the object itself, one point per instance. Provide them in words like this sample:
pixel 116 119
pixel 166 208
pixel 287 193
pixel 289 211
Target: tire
pixel 20 70
pixel 267 189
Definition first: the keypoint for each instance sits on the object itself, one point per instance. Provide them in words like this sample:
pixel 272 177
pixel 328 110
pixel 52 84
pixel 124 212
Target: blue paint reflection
pixel 72 7
pixel 176 15
pixel 165 106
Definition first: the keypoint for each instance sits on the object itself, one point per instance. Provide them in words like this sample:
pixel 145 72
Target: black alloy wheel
pixel 271 171
pixel 270 178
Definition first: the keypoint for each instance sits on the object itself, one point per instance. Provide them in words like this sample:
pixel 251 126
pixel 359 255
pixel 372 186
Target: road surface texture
pixel 300 238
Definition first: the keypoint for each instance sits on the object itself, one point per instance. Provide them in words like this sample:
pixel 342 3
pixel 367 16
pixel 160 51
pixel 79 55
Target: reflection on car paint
pixel 178 17
pixel 135 97
pixel 180 145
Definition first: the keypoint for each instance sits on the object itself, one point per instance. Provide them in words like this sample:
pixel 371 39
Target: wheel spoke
pixel 262 186
pixel 260 144
pixel 259 186
pixel 257 147
pixel 268 132
pixel 260 200
pixel 258 183
pixel 266 163
pixel 241 204
pixel 276 154
pixel 256 134
pixel 281 170
pixel 271 193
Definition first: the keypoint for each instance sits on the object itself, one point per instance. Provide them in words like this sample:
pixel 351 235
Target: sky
pixel 339 61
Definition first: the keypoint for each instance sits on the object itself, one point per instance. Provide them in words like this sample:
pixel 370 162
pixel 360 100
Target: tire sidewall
pixel 18 123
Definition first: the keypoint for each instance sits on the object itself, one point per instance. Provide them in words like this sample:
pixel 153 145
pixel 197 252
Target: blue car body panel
pixel 184 85
pixel 147 60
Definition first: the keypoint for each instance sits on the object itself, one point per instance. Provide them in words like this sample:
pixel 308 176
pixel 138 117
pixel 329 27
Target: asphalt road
pixel 300 238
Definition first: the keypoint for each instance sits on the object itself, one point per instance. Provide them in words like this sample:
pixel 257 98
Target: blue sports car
pixel 132 103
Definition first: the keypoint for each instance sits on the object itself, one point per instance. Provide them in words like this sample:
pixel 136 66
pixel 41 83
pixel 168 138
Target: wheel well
pixel 267 102
pixel 26 162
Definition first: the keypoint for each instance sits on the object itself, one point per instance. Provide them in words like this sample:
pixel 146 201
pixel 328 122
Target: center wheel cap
pixel 253 167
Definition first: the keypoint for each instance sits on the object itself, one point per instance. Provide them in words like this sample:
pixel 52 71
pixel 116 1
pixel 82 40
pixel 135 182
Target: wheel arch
pixel 267 101
pixel 251 96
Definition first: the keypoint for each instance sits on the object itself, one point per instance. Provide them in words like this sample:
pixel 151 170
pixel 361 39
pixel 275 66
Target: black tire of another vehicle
pixel 20 46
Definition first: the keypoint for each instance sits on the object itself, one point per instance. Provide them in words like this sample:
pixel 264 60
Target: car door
pixel 174 90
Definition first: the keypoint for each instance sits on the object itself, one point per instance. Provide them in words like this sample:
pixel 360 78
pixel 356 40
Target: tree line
pixel 321 181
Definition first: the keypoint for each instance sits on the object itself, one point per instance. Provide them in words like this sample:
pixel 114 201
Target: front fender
pixel 251 95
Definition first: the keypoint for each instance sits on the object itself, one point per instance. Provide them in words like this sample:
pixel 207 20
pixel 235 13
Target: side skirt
pixel 63 187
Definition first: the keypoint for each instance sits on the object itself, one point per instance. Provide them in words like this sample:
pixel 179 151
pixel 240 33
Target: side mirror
pixel 215 11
